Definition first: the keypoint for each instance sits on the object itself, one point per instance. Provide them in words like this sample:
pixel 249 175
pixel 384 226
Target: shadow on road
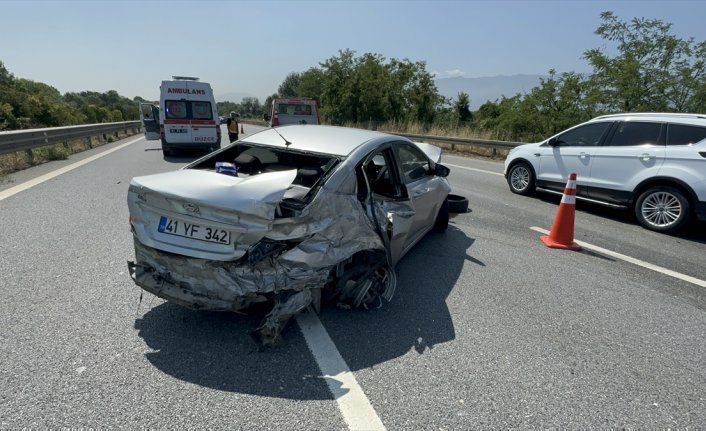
pixel 214 349
pixel 696 231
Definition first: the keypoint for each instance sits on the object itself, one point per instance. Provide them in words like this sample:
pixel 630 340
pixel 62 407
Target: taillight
pixel 161 131
pixel 131 219
pixel 275 120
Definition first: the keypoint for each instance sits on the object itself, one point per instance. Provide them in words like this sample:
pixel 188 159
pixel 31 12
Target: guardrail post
pixel 495 152
pixel 30 155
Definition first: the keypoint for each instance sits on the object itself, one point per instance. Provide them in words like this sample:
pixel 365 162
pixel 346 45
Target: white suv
pixel 652 162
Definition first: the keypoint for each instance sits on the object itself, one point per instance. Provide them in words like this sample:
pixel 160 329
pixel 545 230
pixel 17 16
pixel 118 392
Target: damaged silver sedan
pixel 289 216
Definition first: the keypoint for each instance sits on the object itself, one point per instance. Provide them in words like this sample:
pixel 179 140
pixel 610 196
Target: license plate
pixel 177 130
pixel 192 230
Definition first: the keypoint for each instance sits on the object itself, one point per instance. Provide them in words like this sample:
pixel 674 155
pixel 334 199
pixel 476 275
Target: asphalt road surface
pixel 488 327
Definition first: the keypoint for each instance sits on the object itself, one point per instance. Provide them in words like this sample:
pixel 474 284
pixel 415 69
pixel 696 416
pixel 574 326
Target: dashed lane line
pixel 48 176
pixel 638 262
pixel 357 411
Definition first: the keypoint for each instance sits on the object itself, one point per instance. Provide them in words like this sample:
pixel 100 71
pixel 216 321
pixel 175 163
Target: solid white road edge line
pixel 473 169
pixel 638 262
pixel 46 177
pixel 357 411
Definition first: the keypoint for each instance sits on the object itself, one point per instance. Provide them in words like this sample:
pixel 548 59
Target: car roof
pixel 339 141
pixel 671 117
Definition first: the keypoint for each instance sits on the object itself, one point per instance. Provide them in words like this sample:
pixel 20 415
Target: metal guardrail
pixel 505 145
pixel 19 140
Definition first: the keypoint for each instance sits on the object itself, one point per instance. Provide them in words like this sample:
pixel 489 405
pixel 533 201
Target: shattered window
pixel 413 162
pixel 380 176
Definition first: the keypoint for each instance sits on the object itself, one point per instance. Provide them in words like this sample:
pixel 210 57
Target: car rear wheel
pixel 662 209
pixel 520 178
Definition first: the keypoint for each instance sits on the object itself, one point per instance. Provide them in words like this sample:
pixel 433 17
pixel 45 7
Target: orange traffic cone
pixel 562 233
pixel 242 130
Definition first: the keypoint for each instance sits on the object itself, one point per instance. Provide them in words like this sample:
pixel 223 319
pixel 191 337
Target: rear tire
pixel 662 209
pixel 520 178
pixel 167 152
pixel 442 218
pixel 457 204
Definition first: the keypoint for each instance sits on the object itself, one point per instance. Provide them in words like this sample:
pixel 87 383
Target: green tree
pixel 652 70
pixel 290 85
pixel 462 107
pixel 311 83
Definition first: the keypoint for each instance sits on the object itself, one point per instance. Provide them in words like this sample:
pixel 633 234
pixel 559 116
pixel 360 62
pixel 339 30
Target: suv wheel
pixel 663 209
pixel 521 179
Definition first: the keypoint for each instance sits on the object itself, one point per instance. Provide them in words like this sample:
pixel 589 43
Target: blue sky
pixel 250 46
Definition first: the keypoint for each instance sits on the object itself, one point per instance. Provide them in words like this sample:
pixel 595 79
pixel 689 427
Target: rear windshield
pixel 188 110
pixel 293 109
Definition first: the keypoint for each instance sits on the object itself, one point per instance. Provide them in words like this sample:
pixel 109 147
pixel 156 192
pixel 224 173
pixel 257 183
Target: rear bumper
pixel 215 285
pixel 190 145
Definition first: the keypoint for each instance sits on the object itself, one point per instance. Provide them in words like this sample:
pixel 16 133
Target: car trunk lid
pixel 205 214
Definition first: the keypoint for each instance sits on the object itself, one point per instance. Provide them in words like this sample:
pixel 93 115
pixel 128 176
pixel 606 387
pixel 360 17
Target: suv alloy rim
pixel 519 178
pixel 661 209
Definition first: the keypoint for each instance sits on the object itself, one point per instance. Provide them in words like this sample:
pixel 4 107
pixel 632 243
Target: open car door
pixel 149 119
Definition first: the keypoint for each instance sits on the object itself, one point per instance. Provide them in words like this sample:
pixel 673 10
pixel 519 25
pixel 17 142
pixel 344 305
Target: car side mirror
pixel 553 142
pixel 266 117
pixel 441 170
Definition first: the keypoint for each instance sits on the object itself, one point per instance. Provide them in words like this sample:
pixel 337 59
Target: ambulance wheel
pixel 167 152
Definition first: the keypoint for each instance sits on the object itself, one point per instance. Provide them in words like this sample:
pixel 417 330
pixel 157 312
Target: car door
pixel 570 151
pixel 633 152
pixel 149 119
pixel 389 206
pixel 423 188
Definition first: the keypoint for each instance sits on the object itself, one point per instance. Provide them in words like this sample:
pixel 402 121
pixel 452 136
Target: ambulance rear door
pixel 177 125
pixel 204 126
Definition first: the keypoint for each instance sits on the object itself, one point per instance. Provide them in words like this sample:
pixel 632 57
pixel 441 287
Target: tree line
pixel 643 67
pixel 26 104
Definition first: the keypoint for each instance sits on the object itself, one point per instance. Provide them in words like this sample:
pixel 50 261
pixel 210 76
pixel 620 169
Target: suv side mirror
pixel 441 170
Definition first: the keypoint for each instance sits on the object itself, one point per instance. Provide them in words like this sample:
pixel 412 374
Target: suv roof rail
pixel 653 114
pixel 185 78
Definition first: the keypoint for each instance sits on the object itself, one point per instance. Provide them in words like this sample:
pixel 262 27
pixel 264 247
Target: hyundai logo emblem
pixel 191 208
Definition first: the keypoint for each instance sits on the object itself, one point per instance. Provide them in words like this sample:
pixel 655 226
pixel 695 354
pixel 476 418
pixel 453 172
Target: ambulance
pixel 188 118
pixel 292 111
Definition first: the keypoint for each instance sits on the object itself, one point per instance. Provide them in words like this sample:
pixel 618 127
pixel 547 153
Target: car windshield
pixel 293 109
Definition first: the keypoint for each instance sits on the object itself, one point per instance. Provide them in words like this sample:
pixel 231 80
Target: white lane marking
pixel 352 402
pixel 632 260
pixel 46 177
pixel 473 169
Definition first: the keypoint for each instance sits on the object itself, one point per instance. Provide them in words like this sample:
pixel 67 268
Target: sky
pixel 249 47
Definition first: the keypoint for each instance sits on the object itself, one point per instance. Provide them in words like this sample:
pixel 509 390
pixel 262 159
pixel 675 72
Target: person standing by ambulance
pixel 232 126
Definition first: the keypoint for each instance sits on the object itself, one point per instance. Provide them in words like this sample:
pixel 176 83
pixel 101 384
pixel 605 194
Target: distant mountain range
pixel 480 90
pixel 487 88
